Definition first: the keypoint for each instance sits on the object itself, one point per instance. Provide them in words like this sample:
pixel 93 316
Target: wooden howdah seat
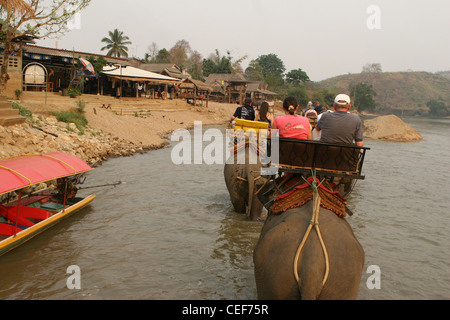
pixel 304 156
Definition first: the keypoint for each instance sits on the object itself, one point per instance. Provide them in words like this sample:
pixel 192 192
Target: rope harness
pixel 314 223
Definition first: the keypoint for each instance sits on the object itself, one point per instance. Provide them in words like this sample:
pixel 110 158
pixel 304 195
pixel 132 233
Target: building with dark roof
pixel 229 87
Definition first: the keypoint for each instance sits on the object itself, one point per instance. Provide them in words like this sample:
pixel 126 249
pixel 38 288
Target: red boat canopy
pixel 24 171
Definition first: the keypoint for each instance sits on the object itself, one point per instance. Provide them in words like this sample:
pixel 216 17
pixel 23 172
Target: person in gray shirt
pixel 341 127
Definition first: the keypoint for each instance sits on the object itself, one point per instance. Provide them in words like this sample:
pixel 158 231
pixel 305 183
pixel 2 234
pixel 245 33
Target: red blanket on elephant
pixel 303 193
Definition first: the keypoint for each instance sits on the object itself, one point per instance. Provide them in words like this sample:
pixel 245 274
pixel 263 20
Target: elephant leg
pixel 243 181
pixel 239 203
pixel 237 188
pixel 255 207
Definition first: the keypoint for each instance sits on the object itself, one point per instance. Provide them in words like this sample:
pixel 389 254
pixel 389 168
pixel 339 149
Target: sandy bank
pixel 133 125
pixel 390 128
pixel 130 126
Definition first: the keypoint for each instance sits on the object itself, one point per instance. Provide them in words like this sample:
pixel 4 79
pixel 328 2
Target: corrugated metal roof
pixel 136 74
pixel 71 54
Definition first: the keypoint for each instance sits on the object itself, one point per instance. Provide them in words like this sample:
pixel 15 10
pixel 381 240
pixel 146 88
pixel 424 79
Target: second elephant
pixel 243 181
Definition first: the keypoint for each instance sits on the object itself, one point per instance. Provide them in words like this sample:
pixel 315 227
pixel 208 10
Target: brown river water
pixel 169 231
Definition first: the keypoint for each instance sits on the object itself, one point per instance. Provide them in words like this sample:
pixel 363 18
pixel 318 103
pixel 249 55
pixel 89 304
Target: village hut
pixel 233 84
pixel 259 92
pixel 134 79
pixel 195 90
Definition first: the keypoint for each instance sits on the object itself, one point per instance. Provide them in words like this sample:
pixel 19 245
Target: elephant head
pixel 243 181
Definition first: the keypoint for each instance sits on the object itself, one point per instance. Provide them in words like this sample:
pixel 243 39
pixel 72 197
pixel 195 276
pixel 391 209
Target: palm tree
pixel 116 44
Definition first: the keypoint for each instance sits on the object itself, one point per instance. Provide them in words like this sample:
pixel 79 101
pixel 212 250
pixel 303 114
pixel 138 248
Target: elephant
pixel 243 182
pixel 277 247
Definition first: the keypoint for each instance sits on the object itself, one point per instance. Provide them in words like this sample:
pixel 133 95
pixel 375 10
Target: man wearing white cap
pixel 341 127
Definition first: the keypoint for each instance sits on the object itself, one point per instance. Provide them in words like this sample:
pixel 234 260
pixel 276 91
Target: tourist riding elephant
pixel 278 246
pixel 243 182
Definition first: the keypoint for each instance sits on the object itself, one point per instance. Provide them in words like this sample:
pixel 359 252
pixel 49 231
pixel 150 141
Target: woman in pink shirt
pixel 292 125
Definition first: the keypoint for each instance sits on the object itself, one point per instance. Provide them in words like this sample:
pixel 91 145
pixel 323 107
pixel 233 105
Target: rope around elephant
pixel 313 223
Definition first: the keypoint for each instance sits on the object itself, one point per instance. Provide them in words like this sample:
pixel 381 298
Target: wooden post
pixel 65 193
pixel 195 97
pixel 17 215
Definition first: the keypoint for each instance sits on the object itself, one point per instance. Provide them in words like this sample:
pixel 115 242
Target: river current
pixel 169 231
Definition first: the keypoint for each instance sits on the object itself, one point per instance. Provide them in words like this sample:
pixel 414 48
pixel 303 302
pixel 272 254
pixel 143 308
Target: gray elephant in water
pixel 277 248
pixel 243 181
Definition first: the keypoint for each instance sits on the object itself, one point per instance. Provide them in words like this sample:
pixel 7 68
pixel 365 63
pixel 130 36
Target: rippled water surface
pixel 169 231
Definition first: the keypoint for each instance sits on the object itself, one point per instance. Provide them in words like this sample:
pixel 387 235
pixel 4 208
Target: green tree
pixel 271 64
pixel 98 63
pixel 300 93
pixel 437 108
pixel 36 19
pixel 274 81
pixel 217 64
pixel 362 96
pixel 325 96
pixel 163 56
pixel 254 71
pixel 116 44
pixel 297 76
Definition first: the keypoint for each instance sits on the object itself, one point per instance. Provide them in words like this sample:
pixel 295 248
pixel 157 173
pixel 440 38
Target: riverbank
pixel 130 125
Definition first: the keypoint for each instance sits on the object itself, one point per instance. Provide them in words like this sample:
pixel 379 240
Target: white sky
pixel 325 38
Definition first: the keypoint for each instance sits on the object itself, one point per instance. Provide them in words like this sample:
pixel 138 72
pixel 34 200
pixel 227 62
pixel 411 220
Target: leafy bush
pixel 24 112
pixel 73 92
pixel 300 94
pixel 18 93
pixel 438 108
pixel 72 117
pixel 81 104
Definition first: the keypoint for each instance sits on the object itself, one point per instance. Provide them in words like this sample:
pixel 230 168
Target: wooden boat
pixel 29 215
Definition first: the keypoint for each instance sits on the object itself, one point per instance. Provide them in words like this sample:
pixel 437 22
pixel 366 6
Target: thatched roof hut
pixel 195 84
pixel 196 90
pixel 233 85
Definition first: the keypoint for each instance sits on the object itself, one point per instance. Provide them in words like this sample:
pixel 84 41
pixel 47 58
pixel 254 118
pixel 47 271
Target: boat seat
pixel 7 229
pixel 25 213
pixel 52 206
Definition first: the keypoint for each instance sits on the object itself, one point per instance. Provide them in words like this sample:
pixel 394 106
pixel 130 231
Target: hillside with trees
pixel 373 91
pixel 408 93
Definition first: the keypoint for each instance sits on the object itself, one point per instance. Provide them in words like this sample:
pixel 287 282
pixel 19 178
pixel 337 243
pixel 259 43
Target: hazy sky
pixel 325 38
